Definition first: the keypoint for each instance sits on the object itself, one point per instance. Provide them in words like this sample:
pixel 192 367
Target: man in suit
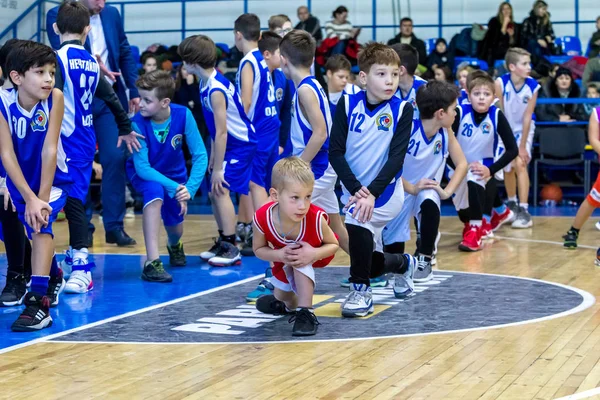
pixel 108 43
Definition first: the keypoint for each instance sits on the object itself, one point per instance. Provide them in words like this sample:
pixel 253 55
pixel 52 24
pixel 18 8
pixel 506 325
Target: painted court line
pixel 588 301
pixel 583 246
pixel 582 395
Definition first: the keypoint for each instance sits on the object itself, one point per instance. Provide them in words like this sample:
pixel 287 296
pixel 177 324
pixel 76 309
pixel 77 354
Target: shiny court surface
pixel 517 320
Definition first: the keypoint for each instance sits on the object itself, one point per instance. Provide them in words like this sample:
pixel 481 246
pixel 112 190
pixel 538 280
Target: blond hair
pixel 291 169
pixel 514 54
pixel 464 67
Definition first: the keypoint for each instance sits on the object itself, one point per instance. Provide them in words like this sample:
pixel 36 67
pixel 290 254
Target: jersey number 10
pixel 20 127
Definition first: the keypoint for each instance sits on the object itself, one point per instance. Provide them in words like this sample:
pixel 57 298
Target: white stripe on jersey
pixel 516 101
pixel 256 85
pixel 411 97
pixel 425 157
pixel 478 142
pixel 300 128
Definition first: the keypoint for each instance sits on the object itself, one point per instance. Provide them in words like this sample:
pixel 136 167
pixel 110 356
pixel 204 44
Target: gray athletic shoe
pixel 523 219
pixel 423 273
pixel 514 207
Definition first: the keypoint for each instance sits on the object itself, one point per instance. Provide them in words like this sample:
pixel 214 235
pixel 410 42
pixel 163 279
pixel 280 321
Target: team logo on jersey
pixel 413 102
pixel 486 128
pixel 279 94
pixel 384 121
pixel 176 141
pixel 437 147
pixel 525 100
pixel 39 121
pixel 205 103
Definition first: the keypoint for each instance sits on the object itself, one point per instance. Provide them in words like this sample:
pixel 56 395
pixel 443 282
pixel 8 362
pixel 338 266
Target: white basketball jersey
pixel 425 157
pixel 516 101
pixel 411 97
pixel 478 142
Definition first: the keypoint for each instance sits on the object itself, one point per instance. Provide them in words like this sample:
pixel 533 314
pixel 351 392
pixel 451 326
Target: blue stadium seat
pixel 472 61
pixel 569 45
pixel 430 45
pixel 558 59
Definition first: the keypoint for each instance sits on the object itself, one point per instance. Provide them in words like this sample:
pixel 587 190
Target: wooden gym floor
pixel 547 359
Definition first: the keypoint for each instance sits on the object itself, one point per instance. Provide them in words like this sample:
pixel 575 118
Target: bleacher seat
pixel 569 45
pixel 481 64
pixel 558 59
pixel 430 45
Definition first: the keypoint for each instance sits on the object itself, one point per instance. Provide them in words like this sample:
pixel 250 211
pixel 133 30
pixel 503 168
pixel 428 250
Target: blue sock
pixel 39 284
pixel 500 209
pixel 487 218
pixel 53 266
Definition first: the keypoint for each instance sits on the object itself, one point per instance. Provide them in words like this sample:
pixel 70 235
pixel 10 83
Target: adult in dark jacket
pixel 309 23
pixel 537 34
pixel 407 36
pixel 595 41
pixel 561 86
pixel 108 42
pixel 502 34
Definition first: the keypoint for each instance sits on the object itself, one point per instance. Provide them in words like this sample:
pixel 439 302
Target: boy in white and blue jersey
pixel 158 171
pixel 78 77
pixel 32 154
pixel 479 128
pixel 311 124
pixel 409 83
pixel 431 141
pixel 368 144
pixel 337 70
pixel 518 94
pixel 233 143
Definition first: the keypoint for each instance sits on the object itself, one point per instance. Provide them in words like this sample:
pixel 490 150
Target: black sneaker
pixel 177 255
pixel 13 293
pixel 119 237
pixel 154 271
pixel 56 285
pixel 227 255
pixel 247 250
pixel 305 323
pixel 207 255
pixel 268 304
pixel 36 315
pixel 571 239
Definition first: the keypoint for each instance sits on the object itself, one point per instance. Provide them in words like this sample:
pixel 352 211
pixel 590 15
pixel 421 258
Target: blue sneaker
pixel 265 287
pixel 404 285
pixel 359 301
pixel 380 281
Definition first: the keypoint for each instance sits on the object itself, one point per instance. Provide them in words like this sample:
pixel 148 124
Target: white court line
pixel 582 395
pixel 583 246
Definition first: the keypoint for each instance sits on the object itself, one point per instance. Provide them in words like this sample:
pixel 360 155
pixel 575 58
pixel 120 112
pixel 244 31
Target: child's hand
pixel 34 217
pixel 184 208
pixel 363 212
pixel 362 193
pixel 480 170
pixel 182 194
pixel 46 216
pixel 287 253
pixel 218 181
pixel 4 191
pixel 131 141
pixel 442 193
pixel 426 184
pixel 304 254
pixel 97 170
pixel 524 155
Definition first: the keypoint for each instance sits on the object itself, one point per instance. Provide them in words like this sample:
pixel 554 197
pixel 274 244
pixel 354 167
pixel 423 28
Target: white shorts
pixel 324 192
pixel 518 136
pixel 289 274
pixel 382 215
pixel 460 198
pixel 398 229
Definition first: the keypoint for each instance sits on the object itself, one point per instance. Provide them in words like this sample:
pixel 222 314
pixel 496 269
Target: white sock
pixel 81 254
pixel 513 198
pixel 524 206
pixel 475 222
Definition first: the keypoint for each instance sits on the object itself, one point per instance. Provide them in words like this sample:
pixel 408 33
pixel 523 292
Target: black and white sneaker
pixel 423 273
pixel 226 256
pixel 13 293
pixel 36 315
pixel 207 255
pixel 56 285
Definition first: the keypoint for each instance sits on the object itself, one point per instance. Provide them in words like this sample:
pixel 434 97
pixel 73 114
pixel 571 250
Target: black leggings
pixel 18 247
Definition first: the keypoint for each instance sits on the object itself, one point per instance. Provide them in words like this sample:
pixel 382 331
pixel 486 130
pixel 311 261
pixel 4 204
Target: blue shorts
pixel 238 168
pixel 58 199
pixel 81 173
pixel 153 191
pixel 266 156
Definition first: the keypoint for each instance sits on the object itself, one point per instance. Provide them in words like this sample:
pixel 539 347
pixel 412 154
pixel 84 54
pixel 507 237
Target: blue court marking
pixel 118 289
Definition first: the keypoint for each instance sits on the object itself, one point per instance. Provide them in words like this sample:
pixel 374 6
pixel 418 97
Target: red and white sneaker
pixel 471 239
pixel 500 219
pixel 486 230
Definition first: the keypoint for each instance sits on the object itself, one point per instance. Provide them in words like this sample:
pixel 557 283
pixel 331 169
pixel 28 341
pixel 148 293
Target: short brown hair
pixel 338 62
pixel 299 48
pixel 277 21
pixel 73 17
pixel 464 67
pixel 199 50
pixel 269 41
pixel 291 169
pixel 249 26
pixel 160 81
pixel 480 78
pixel 409 56
pixel 434 96
pixel 514 54
pixel 377 53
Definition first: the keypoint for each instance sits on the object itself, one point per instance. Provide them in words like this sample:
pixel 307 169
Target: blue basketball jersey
pixel 464 97
pixel 301 130
pixel 165 151
pixel 81 74
pixel 281 84
pixel 334 98
pixel 263 110
pixel 28 130
pixel 411 97
pixel 239 128
pixel 4 115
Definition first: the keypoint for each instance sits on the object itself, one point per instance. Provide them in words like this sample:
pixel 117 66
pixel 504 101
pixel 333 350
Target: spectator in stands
pixel 537 35
pixel 407 36
pixel 149 63
pixel 595 41
pixel 592 92
pixel 442 73
pixel 501 35
pixel 439 56
pixel 280 24
pixel 562 86
pixel 309 23
pixel 591 73
pixel 339 27
pixel 108 43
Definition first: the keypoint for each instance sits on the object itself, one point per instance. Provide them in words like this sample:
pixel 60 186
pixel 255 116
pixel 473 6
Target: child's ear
pixel 15 77
pixel 362 78
pixel 273 194
pixel 165 102
pixel 55 28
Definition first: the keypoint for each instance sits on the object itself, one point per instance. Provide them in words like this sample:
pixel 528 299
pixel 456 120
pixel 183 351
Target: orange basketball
pixel 552 192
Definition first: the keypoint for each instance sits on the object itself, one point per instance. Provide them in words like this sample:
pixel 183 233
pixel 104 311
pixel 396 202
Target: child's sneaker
pixel 597 225
pixel 79 282
pixel 424 272
pixel 305 323
pixel 380 281
pixel 36 315
pixel 514 207
pixel 404 284
pixel 500 219
pixel 207 255
pixel 154 271
pixel 359 301
pixel 270 305
pixel 486 230
pixel 570 239
pixel 265 287
pixel 471 239
pixel 177 255
pixel 56 285
pixel 226 256
pixel 67 263
pixel 523 219
pixel 247 250
pixel 14 292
